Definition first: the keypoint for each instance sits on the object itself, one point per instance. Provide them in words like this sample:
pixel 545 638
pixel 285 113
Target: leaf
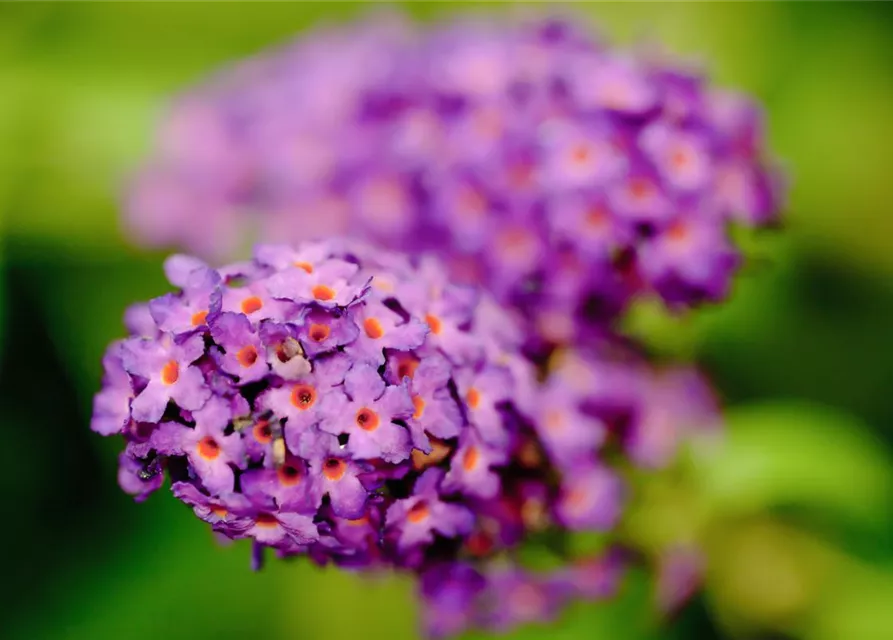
pixel 789 453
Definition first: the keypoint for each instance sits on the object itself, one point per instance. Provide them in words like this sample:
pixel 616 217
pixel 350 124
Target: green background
pixel 794 510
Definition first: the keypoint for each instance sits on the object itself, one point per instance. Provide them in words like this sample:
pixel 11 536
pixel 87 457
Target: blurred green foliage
pixel 794 508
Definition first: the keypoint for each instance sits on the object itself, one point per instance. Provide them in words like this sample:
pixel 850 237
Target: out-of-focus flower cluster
pixel 564 176
pixel 341 402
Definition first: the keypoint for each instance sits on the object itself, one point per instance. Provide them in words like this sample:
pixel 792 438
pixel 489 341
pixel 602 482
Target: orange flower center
pixel 266 520
pixel 373 328
pixel 473 398
pixel 406 366
pixel 199 318
pixel 554 420
pixel 640 188
pixel 471 203
pixel 679 159
pixel 677 232
pixel 334 469
pixel 577 499
pixel 247 356
pixel 367 419
pixel 288 475
pixel 516 242
pixel 435 323
pixel 306 266
pixel 419 405
pixel 520 175
pixel 252 304
pixel 358 522
pixel 262 432
pixel 597 218
pixel 418 513
pixel 322 292
pixel 319 332
pixel 170 372
pixel 208 448
pixel 470 458
pixel 303 396
pixel 219 511
pixel 581 153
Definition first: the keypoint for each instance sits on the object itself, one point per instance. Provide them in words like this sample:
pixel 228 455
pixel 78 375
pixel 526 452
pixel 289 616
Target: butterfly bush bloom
pixel 360 408
pixel 565 176
pixel 338 402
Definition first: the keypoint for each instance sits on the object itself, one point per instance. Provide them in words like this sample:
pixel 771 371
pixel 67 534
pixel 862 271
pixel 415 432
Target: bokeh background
pixel 795 511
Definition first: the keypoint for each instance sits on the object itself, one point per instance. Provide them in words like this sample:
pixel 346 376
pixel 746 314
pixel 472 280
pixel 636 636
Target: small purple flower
pixel 677 407
pixel 591 498
pixel 167 366
pixel 262 436
pixel 612 83
pixel 435 411
pixel 188 273
pixel 282 256
pixel 415 520
pixel 380 329
pixel 359 539
pixel 290 485
pixel 445 310
pixel 640 198
pixel 329 284
pixel 682 157
pixel 483 393
pixel 208 449
pixel 243 352
pixel 111 406
pixel 472 470
pixel 278 528
pixel 567 431
pixel 599 577
pixel 324 331
pixel 515 597
pixel 201 296
pixel 368 416
pixel 687 261
pixel 450 592
pixel 335 472
pixel 139 321
pixel 139 478
pixel 580 156
pixel 584 222
pixel 255 302
pixel 221 512
pixel 383 204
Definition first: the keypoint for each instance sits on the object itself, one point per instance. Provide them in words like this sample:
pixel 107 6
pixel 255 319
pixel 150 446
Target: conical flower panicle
pixel 564 176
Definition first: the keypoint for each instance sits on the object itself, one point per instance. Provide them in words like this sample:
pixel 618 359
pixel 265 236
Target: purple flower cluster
pixel 339 402
pixel 566 177
pixel 458 388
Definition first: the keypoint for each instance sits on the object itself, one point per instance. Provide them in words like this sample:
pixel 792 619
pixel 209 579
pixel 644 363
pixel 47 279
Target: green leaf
pixel 789 453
